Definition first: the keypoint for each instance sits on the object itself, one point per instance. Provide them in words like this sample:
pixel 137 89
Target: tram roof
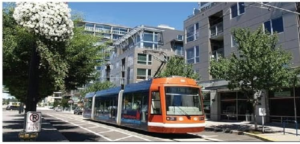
pixel 141 86
pixel 90 94
pixel 133 87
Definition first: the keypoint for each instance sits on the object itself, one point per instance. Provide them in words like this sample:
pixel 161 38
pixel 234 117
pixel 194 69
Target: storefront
pixel 234 106
pixel 282 106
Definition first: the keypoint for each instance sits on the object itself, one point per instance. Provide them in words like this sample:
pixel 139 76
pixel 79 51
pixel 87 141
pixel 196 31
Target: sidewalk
pixel 13 124
pixel 276 135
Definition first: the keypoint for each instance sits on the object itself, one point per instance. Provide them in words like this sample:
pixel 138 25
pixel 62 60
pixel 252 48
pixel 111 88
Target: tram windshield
pixel 183 101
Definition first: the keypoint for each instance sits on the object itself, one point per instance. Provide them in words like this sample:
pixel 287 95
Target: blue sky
pixel 136 13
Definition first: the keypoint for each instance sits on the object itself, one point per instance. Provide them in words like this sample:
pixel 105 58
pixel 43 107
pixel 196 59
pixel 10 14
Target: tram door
pixel 155 107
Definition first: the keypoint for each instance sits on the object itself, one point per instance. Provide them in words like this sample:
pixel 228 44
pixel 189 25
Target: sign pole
pixel 263 125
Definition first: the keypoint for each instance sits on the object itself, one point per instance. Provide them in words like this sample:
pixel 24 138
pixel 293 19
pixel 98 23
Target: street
pixel 76 128
pixel 63 126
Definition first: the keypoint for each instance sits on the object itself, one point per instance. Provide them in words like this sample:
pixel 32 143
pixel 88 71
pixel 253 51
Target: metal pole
pixel 284 127
pixel 295 107
pixel 263 124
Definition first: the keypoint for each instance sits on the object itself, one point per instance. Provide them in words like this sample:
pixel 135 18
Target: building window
pixel 233 41
pixel 192 32
pixel 274 25
pixel 237 9
pixel 179 37
pixel 143 73
pixel 193 55
pixel 144 59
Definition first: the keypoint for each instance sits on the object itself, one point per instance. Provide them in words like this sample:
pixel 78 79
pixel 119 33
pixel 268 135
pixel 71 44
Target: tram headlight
pixel 171 118
pixel 201 118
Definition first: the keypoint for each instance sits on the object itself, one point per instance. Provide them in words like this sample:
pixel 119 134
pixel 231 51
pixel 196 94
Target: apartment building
pixel 139 53
pixel 208 35
pixel 108 32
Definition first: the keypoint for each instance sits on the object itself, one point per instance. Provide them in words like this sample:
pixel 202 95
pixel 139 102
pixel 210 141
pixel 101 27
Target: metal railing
pixel 216 54
pixel 216 30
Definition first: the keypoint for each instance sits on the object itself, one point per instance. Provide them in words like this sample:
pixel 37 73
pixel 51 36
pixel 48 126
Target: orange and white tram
pixel 160 105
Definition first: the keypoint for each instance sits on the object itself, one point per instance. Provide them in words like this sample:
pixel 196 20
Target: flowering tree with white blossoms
pixel 51 24
pixel 51 20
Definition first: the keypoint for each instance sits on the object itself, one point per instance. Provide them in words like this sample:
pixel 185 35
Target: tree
pixel 176 66
pixel 62 65
pixel 259 64
pixel 97 86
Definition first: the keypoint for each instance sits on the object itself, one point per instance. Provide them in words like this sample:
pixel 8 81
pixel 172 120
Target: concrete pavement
pixel 276 135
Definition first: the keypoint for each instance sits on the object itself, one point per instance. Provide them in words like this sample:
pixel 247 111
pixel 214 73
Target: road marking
pixel 93 127
pixel 122 138
pixel 88 130
pixel 113 129
pixel 106 131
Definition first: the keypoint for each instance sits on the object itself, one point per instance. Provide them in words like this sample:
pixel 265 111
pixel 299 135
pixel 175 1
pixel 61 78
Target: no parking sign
pixel 33 121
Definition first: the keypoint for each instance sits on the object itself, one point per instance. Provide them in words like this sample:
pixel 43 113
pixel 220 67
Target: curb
pixel 260 137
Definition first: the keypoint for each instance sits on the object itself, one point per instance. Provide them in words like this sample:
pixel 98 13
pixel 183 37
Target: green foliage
pixel 63 65
pixel 259 64
pixel 176 66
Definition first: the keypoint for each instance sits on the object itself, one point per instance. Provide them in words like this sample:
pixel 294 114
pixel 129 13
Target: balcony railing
pixel 89 28
pixel 216 54
pixel 102 30
pixel 118 32
pixel 216 30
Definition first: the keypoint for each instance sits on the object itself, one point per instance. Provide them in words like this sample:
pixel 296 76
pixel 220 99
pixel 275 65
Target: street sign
pixel 262 112
pixel 33 121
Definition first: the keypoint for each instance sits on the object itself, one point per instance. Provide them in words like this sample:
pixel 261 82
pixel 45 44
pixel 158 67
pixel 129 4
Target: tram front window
pixel 183 101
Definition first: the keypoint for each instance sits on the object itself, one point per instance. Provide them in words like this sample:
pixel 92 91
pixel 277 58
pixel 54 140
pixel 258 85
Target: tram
pixel 159 105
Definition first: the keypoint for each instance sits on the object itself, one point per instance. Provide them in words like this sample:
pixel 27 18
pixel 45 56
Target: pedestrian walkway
pixel 13 124
pixel 276 135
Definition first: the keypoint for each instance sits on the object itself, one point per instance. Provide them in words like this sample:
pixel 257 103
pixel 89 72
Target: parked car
pixel 12 107
pixel 78 110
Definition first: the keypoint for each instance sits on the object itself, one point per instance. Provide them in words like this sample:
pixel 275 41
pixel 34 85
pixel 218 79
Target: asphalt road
pixel 77 128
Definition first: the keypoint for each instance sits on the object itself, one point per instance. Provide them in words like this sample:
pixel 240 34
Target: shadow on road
pixel 71 132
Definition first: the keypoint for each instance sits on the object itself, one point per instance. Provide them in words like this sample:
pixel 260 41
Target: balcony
pixel 216 54
pixel 89 28
pixel 118 32
pixel 216 31
pixel 101 30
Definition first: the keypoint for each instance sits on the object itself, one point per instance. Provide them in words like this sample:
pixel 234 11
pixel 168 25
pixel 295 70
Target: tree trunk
pixel 254 116
pixel 33 80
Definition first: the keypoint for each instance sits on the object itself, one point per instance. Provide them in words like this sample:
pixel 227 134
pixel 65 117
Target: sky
pixel 132 14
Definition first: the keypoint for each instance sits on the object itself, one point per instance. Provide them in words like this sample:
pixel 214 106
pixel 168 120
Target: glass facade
pixel 193 55
pixel 234 106
pixel 281 104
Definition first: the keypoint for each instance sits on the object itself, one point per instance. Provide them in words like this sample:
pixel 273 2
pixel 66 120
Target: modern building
pixel 208 35
pixel 140 52
pixel 108 32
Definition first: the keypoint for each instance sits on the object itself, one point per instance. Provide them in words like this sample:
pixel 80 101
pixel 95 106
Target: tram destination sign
pixel 33 121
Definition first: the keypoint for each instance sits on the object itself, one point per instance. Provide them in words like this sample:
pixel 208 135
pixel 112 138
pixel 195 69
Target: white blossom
pixel 49 19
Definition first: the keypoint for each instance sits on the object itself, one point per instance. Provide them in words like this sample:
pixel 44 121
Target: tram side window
pixel 88 103
pixel 155 106
pixel 136 101
pixel 127 104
